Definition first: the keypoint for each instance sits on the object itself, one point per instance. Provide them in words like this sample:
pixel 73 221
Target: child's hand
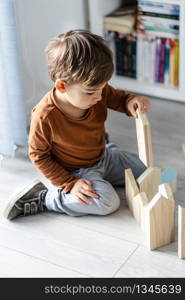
pixel 81 188
pixel 141 103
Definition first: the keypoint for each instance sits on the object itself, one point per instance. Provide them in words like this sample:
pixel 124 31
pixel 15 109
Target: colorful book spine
pixel 166 63
pixel 158 7
pixel 162 60
pixel 133 53
pixel 157 60
pixel 172 62
pixel 176 61
pixel 157 15
pixel 154 20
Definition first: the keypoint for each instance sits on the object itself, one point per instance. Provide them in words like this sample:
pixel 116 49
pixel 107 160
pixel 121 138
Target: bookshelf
pixel 97 9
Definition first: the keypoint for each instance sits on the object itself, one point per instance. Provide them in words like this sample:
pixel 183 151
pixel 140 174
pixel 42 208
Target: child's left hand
pixel 141 103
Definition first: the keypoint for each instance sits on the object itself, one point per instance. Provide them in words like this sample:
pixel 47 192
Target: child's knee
pixel 108 204
pixel 138 167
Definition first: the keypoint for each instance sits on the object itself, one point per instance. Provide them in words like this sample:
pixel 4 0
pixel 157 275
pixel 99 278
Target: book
pixel 150 33
pixel 158 15
pixel 119 42
pixel 123 24
pixel 176 62
pixel 134 57
pixel 122 11
pixel 172 63
pixel 158 7
pixel 127 20
pixel 157 20
pixel 162 60
pixel 146 59
pixel 139 57
pixel 166 62
pixel 157 60
pixel 152 46
pixel 118 28
pixel 174 29
pixel 161 29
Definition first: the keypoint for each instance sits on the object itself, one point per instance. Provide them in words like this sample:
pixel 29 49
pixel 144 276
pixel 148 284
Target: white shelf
pixel 156 90
pixel 97 9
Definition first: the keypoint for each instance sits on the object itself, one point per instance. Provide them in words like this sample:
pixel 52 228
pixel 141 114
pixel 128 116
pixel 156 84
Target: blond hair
pixel 79 56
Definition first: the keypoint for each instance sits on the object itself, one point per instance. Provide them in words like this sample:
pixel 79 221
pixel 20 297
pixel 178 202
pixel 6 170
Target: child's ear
pixel 60 85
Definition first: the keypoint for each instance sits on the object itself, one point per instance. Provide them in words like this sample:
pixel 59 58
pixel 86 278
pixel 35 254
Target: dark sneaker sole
pixel 16 197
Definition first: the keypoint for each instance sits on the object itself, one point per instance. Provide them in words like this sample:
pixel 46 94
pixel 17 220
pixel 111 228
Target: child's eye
pixel 89 93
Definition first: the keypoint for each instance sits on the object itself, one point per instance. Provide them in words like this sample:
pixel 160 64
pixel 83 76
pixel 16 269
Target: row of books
pixel 158 42
pixel 158 19
pixel 149 48
pixel 158 7
pixel 125 55
pixel 158 60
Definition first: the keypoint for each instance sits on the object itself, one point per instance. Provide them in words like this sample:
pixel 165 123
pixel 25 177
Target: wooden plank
pixel 139 202
pixel 131 188
pixel 159 222
pixel 166 191
pixel 149 181
pixel 181 232
pixel 144 139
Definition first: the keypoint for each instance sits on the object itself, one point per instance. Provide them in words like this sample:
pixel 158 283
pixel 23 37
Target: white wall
pixel 37 22
pixel 98 9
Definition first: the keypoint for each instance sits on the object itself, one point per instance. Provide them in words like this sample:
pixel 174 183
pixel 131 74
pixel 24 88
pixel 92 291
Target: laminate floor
pixel 56 245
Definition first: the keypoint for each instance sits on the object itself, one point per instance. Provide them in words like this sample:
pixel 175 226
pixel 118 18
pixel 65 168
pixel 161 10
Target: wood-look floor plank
pixel 16 264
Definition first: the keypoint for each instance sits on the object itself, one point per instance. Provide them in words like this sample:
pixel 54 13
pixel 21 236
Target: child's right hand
pixel 81 188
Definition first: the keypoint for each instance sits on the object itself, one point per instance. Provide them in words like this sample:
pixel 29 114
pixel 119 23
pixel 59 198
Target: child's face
pixel 82 96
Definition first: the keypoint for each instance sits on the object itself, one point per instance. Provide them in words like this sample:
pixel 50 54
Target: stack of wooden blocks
pixel 150 197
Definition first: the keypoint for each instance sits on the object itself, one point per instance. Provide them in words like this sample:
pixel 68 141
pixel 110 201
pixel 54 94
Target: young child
pixel 67 133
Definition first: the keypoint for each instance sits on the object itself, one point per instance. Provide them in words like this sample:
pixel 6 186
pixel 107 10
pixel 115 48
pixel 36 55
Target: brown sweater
pixel 59 143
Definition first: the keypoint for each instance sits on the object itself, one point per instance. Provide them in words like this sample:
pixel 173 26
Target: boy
pixel 67 134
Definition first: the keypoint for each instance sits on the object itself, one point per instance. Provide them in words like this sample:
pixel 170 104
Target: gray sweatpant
pixel 108 172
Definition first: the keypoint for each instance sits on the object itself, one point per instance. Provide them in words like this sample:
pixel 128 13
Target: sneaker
pixel 29 201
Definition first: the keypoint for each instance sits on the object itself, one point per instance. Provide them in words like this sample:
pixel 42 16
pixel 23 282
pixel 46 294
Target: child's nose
pixel 98 97
pixel 97 100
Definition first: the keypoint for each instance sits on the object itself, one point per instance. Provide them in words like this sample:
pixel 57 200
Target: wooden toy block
pixel 181 232
pixel 159 221
pixel 144 139
pixel 131 188
pixel 166 191
pixel 139 202
pixel 169 175
pixel 149 181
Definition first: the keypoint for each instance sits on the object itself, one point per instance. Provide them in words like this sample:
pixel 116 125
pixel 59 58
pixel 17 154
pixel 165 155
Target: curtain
pixel 12 107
